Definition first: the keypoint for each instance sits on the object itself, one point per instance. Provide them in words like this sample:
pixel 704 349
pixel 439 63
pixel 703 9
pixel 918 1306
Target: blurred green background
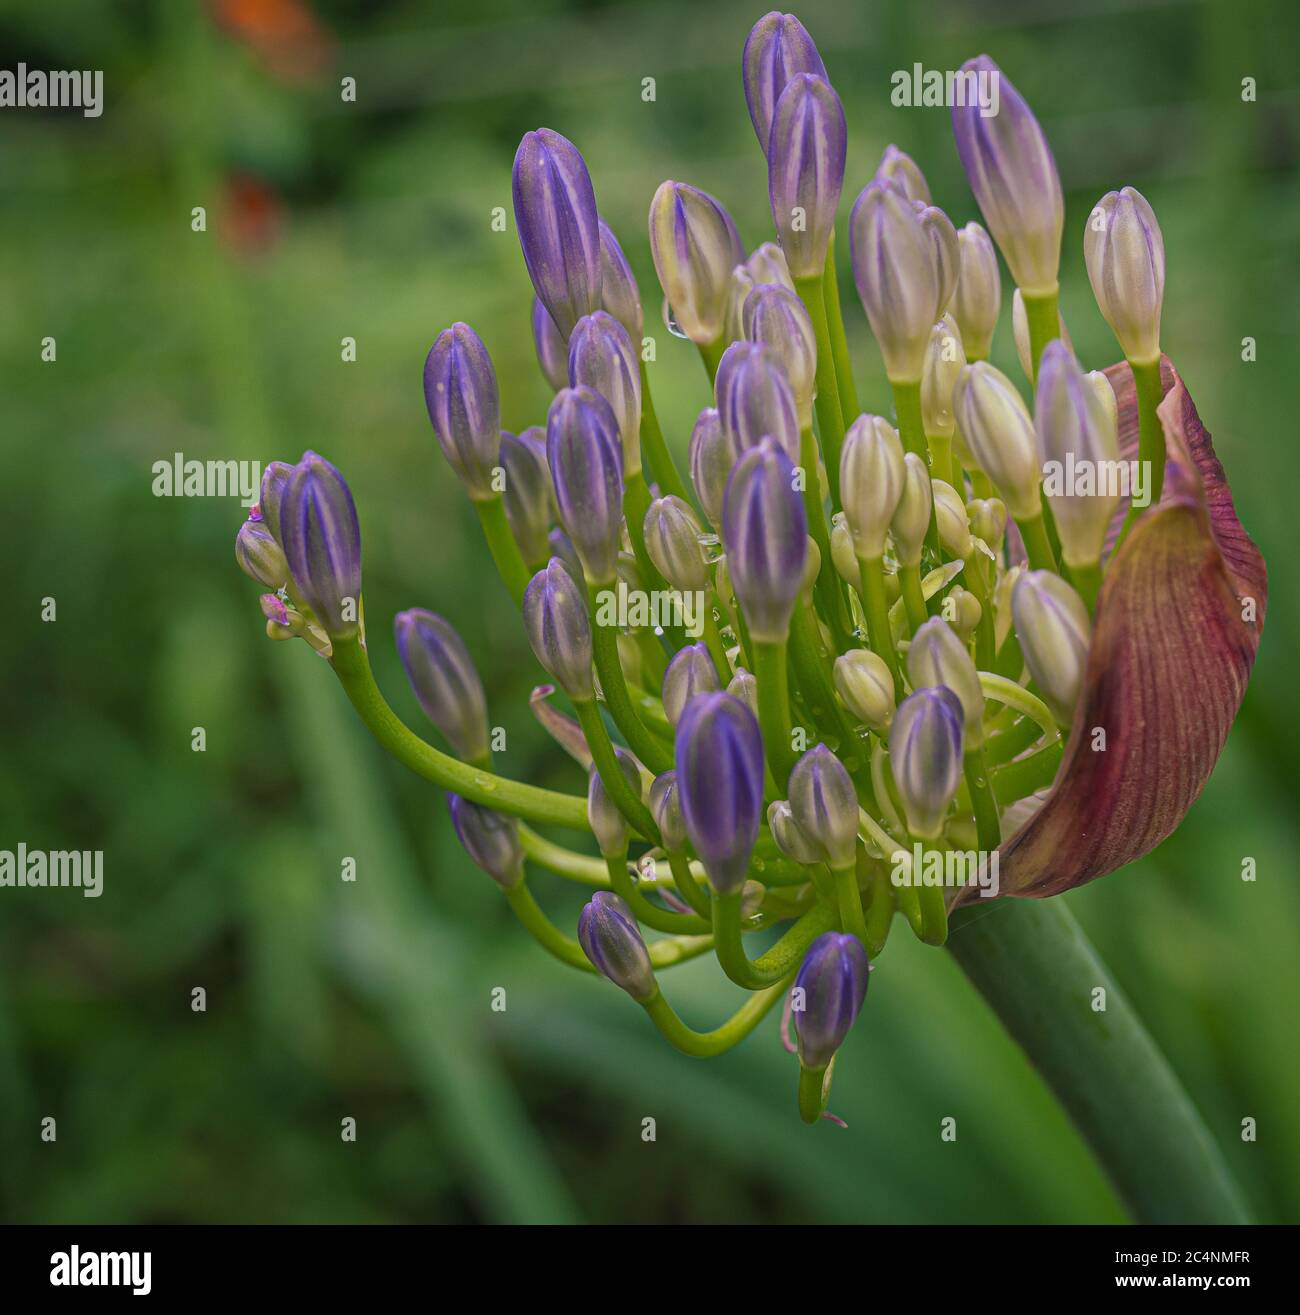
pixel 222 869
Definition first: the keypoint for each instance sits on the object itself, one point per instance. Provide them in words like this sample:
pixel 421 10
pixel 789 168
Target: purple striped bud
pixel 720 785
pixel 259 556
pixel 789 837
pixel 1077 444
pixel 559 229
pixel 765 530
pixel 912 515
pixel 275 482
pixel 1125 253
pixel 281 621
pixel 608 824
pixel 766 264
pixel 322 543
pixel 777 49
pixel 555 619
pixel 528 499
pixel 944 247
pixel 712 457
pixel 995 424
pixel 619 294
pixel 666 809
pixel 832 984
pixel 805 170
pixel 1011 171
pixel 866 687
pixel 744 686
pixel 552 355
pixel 601 356
pixel 695 247
pixel 445 680
pixel 490 839
pixel 672 540
pixel 689 673
pixel 897 275
pixel 978 296
pixel 925 753
pixel 825 805
pixel 898 170
pixel 1054 631
pixel 755 400
pixel 586 460
pixel 610 938
pixel 775 317
pixel 871 482
pixel 460 390
pixel 938 657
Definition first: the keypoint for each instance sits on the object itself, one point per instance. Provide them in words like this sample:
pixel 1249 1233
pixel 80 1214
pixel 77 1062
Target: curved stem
pixel 1035 968
pixel 690 924
pixel 705 1045
pixel 1002 690
pixel 563 862
pixel 782 958
pixel 655 447
pixel 610 773
pixel 830 418
pixel 934 913
pixel 501 544
pixel 687 887
pixel 552 940
pixel 352 667
pixel 613 685
pixel 1023 777
pixel 848 391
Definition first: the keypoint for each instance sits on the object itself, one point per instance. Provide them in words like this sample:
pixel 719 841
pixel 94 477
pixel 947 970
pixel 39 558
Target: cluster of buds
pixel 985 640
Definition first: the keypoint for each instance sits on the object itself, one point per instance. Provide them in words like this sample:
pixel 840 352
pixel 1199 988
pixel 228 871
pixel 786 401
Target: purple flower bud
pixel 608 824
pixel 276 610
pixel 586 460
pixel 528 499
pixel 445 680
pixel 1055 633
pixel 275 481
pixel 766 264
pixel 555 619
pixel 937 656
pixel 689 673
pixel 601 356
pixel 765 530
pixel 460 390
pixel 825 805
pixel 805 170
pixel 666 809
pixel 619 293
pixel 672 540
pixel 712 457
pixel 945 248
pixel 552 354
pixel 898 170
pixel 775 317
pixel 562 547
pixel 559 229
pixel 925 753
pixel 755 400
pixel 612 941
pixel 490 839
pixel 1011 171
pixel 259 556
pixel 1125 254
pixel 833 983
pixel 720 784
pixel 778 47
pixel 695 247
pixel 322 542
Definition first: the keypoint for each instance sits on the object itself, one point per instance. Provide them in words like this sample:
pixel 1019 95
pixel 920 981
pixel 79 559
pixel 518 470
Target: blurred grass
pixel 370 1000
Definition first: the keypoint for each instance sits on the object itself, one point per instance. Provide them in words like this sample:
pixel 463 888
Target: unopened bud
pixel 1054 631
pixel 866 687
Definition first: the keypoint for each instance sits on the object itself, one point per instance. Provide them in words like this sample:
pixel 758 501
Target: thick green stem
pixel 613 685
pixel 875 605
pixel 774 708
pixel 705 1045
pixel 655 447
pixel 501 544
pixel 1034 966
pixel 783 958
pixel 1042 312
pixel 610 773
pixel 987 825
pixel 717 649
pixel 1151 434
pixel 830 418
pixel 1037 545
pixel 849 901
pixel 849 409
pixel 1087 581
pixel 909 581
pixel 711 354
pixel 812 1082
pixel 352 667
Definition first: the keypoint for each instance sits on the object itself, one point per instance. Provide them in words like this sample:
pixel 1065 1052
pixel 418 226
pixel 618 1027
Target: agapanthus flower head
pixel 490 838
pixel 945 355
pixel 585 454
pixel 866 687
pixel 925 753
pixel 938 657
pixel 912 515
pixel 460 391
pixel 601 355
pixel 690 672
pixel 608 824
pixel 719 759
pixel 1012 172
pixel 825 805
pixel 832 983
pixel 666 809
pixel 558 628
pixel 898 170
pixel 977 298
pixel 259 556
pixel 755 400
pixel 559 229
pixel 322 543
pixel 619 294
pixel 1125 254
pixel 995 423
pixel 611 939
pixel 1076 429
pixel 275 483
pixel 711 458
pixel 1054 631
pixel 695 247
pixel 528 497
pixel 673 542
pixel 778 47
pixel 765 532
pixel 871 482
pixel 552 353
pixel 775 317
pixel 805 170
pixel 445 680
